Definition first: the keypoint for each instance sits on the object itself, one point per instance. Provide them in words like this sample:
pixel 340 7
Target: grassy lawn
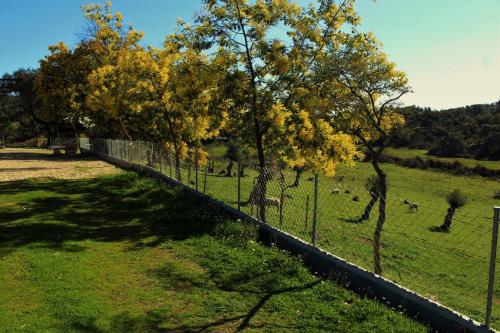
pixel 123 254
pixel 422 153
pixel 451 268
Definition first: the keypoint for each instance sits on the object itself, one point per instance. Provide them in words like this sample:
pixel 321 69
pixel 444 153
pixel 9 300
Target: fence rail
pixel 455 267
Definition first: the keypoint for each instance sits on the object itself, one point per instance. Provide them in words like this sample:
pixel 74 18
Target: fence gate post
pixel 239 186
pixel 493 257
pixel 315 211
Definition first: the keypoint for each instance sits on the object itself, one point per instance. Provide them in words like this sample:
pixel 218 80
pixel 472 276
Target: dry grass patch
pixel 19 164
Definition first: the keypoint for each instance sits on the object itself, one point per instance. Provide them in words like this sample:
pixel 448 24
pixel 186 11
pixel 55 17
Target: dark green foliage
pixel 454 167
pixel 234 151
pixel 372 184
pixel 456 199
pixel 470 131
pixel 450 147
pixel 237 152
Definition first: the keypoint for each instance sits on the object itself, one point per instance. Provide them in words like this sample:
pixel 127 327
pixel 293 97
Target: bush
pixel 449 147
pixel 372 184
pixel 456 199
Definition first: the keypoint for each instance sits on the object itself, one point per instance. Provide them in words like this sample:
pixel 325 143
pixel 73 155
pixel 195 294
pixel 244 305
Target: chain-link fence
pixel 439 251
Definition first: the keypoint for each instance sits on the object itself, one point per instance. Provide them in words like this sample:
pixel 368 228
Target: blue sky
pixel 450 49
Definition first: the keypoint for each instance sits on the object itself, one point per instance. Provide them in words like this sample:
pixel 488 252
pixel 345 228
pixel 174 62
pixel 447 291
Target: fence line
pixel 451 267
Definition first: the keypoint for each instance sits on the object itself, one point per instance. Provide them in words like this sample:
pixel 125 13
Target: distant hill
pixel 470 131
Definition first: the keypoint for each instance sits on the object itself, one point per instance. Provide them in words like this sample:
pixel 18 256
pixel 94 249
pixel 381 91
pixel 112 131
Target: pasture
pixel 422 153
pixel 451 268
pixel 120 253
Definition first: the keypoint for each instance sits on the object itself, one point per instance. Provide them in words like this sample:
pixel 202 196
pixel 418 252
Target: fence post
pixel 170 163
pixel 205 180
pixel 307 213
pixel 196 170
pixel 493 256
pixel 239 185
pixel 140 155
pixel 161 161
pixel 152 157
pixel 315 211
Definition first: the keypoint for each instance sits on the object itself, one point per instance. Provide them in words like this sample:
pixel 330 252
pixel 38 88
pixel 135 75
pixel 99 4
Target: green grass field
pixel 422 153
pixel 123 254
pixel 451 268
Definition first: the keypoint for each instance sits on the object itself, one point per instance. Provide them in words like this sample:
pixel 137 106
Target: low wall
pixel 437 316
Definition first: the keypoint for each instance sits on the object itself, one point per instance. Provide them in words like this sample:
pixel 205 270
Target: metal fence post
pixel 140 155
pixel 493 258
pixel 315 211
pixel 152 158
pixel 170 162
pixel 239 186
pixel 306 222
pixel 205 181
pixel 161 161
pixel 196 170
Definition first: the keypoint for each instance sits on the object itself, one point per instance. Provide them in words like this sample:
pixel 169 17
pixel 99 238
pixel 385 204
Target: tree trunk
pixel 368 208
pixel 377 268
pixel 448 219
pixel 258 194
pixel 229 169
pixel 178 166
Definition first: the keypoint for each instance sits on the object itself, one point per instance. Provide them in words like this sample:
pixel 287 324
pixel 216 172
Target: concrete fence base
pixel 363 282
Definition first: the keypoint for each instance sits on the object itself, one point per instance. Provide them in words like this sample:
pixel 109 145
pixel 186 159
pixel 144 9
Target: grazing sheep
pixel 412 206
pixel 335 191
pixel 268 202
pixel 273 202
pixel 347 192
pixel 310 179
pixel 355 198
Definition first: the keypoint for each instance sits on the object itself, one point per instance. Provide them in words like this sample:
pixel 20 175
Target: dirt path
pixel 17 164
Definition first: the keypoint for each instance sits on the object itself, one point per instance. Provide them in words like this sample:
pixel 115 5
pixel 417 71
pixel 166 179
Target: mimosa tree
pixel 364 87
pixel 172 89
pixel 269 68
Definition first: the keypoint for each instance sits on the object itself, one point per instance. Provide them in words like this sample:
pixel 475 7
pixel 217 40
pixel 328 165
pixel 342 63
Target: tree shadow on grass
pixel 249 280
pixel 439 229
pixel 104 209
pixel 352 220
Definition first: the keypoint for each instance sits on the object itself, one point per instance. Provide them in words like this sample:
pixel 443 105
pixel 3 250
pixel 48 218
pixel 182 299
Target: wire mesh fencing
pixel 426 245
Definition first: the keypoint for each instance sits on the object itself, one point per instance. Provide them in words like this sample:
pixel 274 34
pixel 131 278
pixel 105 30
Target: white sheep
pixel 267 202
